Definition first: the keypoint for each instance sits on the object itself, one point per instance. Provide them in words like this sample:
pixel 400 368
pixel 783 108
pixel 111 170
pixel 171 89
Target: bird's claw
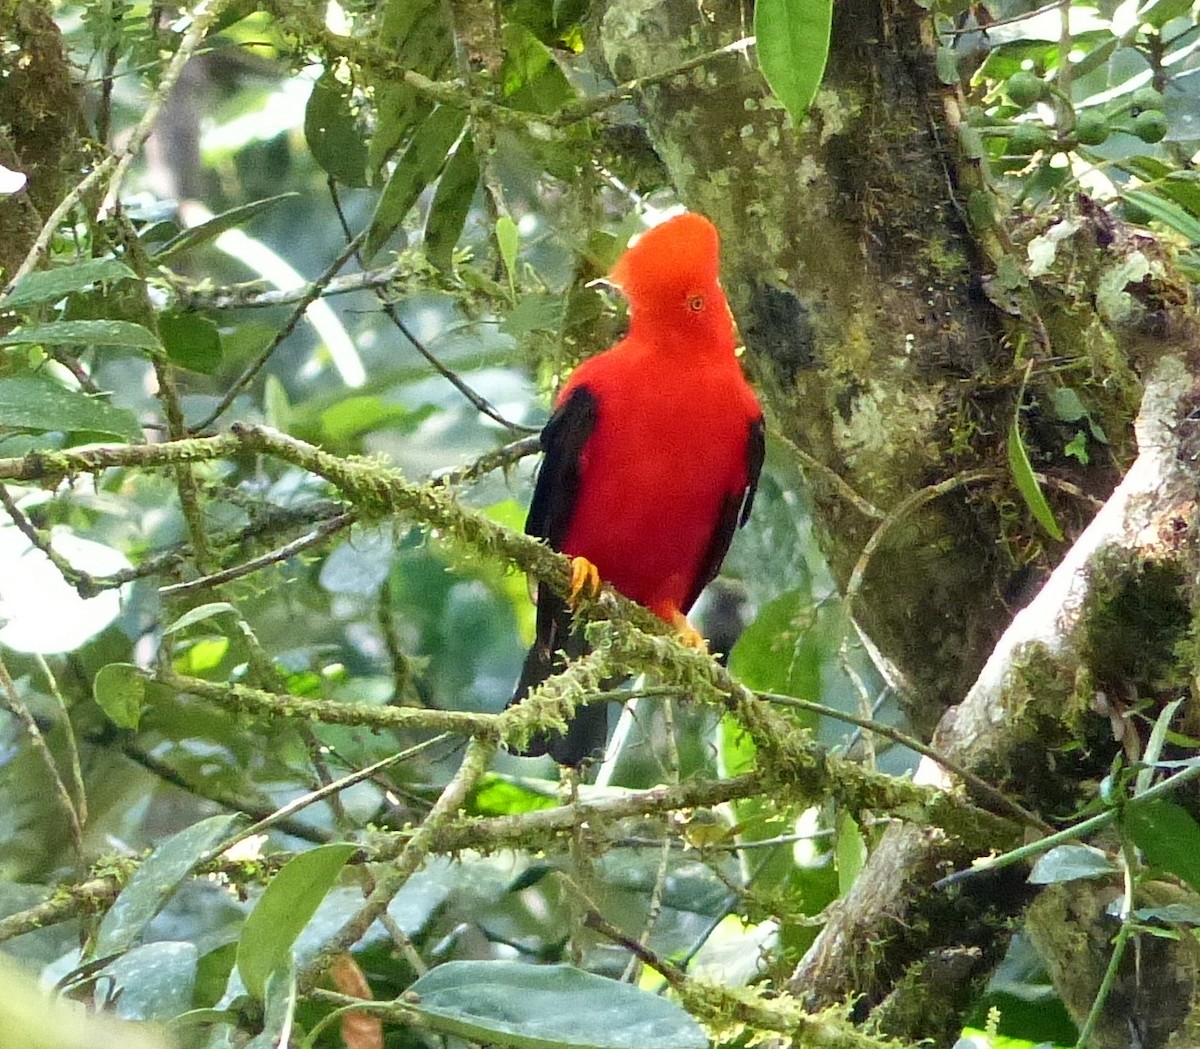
pixel 688 634
pixel 585 581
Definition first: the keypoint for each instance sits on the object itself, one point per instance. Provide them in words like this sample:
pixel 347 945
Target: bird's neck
pixel 689 337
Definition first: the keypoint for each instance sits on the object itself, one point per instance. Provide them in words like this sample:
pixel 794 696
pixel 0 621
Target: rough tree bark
pixel 892 340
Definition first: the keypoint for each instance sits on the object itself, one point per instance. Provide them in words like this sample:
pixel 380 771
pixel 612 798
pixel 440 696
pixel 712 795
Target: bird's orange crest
pixel 672 260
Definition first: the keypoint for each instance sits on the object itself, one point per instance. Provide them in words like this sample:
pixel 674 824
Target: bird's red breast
pixel 673 417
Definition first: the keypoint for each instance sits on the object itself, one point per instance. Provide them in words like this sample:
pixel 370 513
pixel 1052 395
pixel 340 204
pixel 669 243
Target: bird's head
pixel 670 277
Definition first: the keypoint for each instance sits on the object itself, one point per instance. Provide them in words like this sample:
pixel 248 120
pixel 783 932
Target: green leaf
pixel 276 406
pixel 199 614
pixel 422 160
pixel 191 341
pixel 451 204
pixel 529 76
pixel 1165 211
pixel 352 417
pixel 83 333
pixel 947 65
pixel 37 402
pixel 418 35
pixel 1154 746
pixel 537 311
pixel 850 851
pixel 283 910
pixel 156 880
pixel 1027 485
pixel 1168 837
pixel 1177 913
pixel 782 651
pixel 1076 447
pixel 1068 406
pixel 332 130
pixel 52 285
pixel 120 691
pixel 218 224
pixel 1070 863
pixel 533 1006
pixel 279 1000
pixel 793 45
pixel 508 239
pixel 154 981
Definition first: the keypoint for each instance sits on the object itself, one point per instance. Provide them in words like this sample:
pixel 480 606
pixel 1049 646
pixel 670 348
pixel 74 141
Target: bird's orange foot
pixel 585 581
pixel 688 634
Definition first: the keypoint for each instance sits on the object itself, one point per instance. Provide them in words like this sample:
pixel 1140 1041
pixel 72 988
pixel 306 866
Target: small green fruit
pixel 1025 88
pixel 1091 129
pixel 1146 98
pixel 1150 125
pixel 1027 139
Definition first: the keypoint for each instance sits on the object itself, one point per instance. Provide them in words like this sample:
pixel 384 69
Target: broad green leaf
pixel 218 224
pixel 782 650
pixel 849 852
pixel 1165 211
pixel 947 65
pixel 52 285
pixel 199 614
pixel 156 880
pixel 282 911
pixel 1070 863
pixel 120 691
pixel 191 341
pixel 1159 12
pixel 352 417
pixel 529 76
pixel 537 311
pixel 793 45
pixel 154 981
pixel 508 240
pixel 497 795
pixel 1068 406
pixel 533 1006
pixel 279 999
pixel 83 333
pixel 451 204
pixel 333 132
pixel 422 160
pixel 1181 187
pixel 205 655
pixel 418 35
pixel 37 402
pixel 1167 835
pixel 1177 913
pixel 1027 485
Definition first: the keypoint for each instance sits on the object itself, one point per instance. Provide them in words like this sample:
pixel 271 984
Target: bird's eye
pixel 696 303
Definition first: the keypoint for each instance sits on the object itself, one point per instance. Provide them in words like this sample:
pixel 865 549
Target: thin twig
pixel 283 553
pixel 478 402
pixel 13 702
pixel 255 366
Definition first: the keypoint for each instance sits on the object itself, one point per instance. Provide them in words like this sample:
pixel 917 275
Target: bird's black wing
pixel 557 488
pixel 554 497
pixel 735 512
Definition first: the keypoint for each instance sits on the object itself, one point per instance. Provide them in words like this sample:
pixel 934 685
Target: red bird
pixel 651 459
